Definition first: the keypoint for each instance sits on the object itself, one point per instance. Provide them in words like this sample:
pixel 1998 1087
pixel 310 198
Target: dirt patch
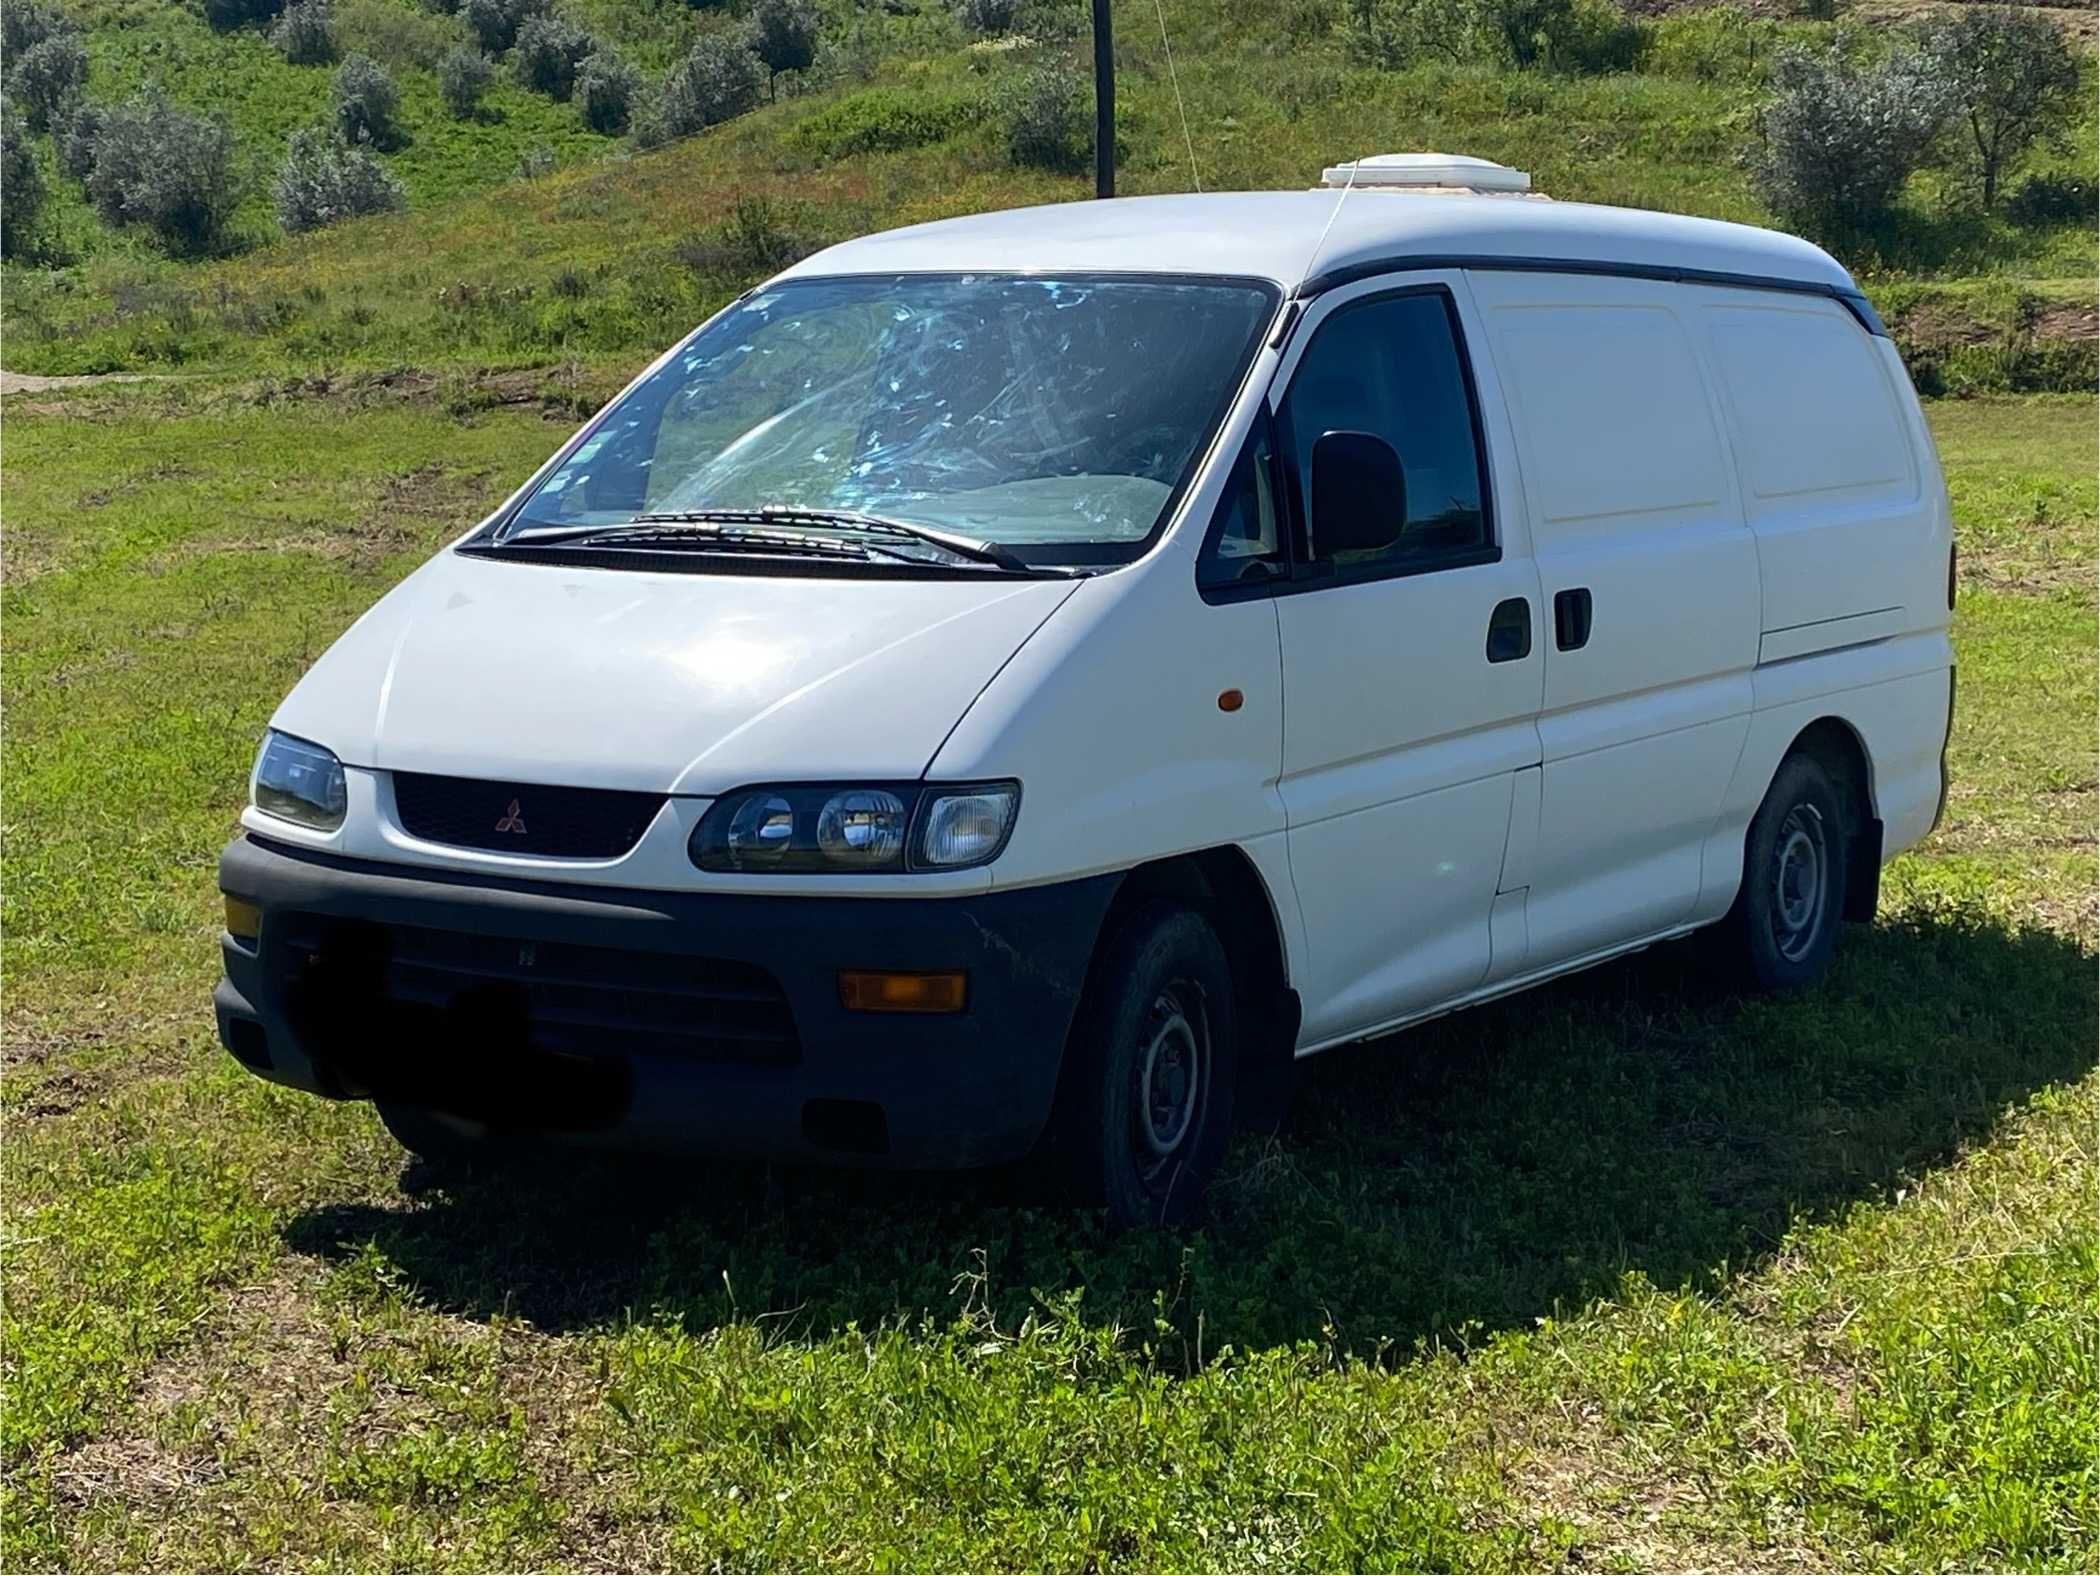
pixel 34 383
pixel 1941 324
pixel 561 393
pixel 101 497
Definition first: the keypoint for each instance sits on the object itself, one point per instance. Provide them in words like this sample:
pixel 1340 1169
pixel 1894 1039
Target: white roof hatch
pixel 1448 171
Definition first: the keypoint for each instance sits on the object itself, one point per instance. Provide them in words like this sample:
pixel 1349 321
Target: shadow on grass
pixel 1483 1171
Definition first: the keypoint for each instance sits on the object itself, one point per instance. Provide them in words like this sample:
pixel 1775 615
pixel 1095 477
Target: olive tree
pixel 22 190
pixel 46 79
pixel 321 181
pixel 2010 78
pixel 168 170
pixel 784 37
pixel 1842 136
pixel 365 100
pixel 547 53
pixel 718 80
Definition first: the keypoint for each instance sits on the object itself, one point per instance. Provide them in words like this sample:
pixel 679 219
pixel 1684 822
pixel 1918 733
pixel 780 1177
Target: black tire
pixel 445 1141
pixel 1145 1104
pixel 1783 928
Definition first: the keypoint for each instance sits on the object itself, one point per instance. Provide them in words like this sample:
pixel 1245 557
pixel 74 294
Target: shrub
pixel 2011 79
pixel 22 184
pixel 2054 199
pixel 1841 137
pixel 495 23
pixel 548 51
pixel 1392 34
pixel 463 76
pixel 365 100
pixel 393 35
pixel 606 88
pixel 784 37
pixel 988 16
pixel 303 34
pixel 1048 119
pixel 1595 37
pixel 760 237
pixel 45 80
pixel 718 80
pixel 1524 28
pixel 168 170
pixel 322 181
pixel 24 24
pixel 76 145
pixel 535 161
pixel 879 120
pixel 1721 43
pixel 227 14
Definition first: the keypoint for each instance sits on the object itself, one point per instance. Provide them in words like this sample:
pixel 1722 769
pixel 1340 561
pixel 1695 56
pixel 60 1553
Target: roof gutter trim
pixel 1848 296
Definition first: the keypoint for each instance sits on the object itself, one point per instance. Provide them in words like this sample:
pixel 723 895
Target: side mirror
pixel 1359 494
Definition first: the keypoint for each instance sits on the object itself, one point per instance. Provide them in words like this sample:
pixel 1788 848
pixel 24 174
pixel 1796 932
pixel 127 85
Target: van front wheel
pixel 1146 1103
pixel 1783 927
pixel 442 1140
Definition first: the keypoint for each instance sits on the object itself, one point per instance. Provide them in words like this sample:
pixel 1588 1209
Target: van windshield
pixel 1056 417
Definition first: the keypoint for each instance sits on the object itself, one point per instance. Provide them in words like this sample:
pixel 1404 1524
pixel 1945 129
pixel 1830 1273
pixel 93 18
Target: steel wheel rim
pixel 1173 1077
pixel 1800 882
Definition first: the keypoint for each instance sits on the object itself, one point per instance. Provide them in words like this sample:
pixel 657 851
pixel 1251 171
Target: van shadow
pixel 1474 1174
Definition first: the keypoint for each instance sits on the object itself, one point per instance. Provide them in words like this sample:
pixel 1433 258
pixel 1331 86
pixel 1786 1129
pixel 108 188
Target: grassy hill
pixel 617 251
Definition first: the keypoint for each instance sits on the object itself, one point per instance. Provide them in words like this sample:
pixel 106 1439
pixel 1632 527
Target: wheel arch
pixel 1223 885
pixel 1835 745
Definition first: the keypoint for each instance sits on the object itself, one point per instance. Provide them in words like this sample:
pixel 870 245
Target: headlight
pixel 300 782
pixel 840 830
pixel 965 827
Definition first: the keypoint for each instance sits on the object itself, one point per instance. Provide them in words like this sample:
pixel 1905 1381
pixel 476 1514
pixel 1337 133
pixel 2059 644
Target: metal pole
pixel 1104 104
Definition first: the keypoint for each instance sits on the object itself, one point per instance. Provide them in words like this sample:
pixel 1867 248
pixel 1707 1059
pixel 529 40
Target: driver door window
pixel 1390 366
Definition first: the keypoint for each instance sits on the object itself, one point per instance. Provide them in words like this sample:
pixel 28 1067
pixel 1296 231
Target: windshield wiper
pixel 699 537
pixel 971 548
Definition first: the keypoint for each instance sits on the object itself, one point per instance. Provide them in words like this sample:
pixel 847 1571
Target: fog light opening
pixel 243 918
pixel 875 990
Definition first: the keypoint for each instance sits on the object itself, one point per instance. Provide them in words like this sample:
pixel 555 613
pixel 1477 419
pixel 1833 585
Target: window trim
pixel 1309 574
pixel 1248 590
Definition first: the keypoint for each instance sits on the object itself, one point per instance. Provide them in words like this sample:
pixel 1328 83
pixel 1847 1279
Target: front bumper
pixel 684 1021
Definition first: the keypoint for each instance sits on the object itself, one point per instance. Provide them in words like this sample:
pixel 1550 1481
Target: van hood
pixel 678 683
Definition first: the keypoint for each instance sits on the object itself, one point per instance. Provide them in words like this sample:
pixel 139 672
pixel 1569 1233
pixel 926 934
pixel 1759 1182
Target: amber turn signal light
pixel 866 990
pixel 243 918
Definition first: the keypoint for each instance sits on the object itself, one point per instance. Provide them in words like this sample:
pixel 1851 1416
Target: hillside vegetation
pixel 604 250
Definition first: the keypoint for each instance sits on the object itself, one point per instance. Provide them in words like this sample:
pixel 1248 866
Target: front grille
pixel 582 1000
pixel 523 818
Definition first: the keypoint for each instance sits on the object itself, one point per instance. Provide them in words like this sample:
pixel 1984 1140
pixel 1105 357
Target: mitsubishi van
pixel 1015 684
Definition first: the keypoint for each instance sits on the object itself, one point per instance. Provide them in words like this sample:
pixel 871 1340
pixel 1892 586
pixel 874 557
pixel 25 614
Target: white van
pixel 1029 677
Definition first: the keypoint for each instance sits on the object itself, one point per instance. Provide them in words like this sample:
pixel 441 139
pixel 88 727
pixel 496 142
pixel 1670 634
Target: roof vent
pixel 1451 171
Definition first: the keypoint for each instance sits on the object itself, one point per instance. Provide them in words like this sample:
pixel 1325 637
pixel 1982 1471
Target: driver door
pixel 1412 675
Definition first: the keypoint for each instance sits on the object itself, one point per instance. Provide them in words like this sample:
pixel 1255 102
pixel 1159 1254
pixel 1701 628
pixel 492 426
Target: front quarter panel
pixel 1111 719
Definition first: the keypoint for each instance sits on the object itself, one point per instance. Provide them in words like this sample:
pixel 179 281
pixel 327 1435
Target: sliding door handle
pixel 1571 618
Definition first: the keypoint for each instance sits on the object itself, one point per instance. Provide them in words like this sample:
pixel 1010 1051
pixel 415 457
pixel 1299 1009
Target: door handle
pixel 1571 618
pixel 1509 630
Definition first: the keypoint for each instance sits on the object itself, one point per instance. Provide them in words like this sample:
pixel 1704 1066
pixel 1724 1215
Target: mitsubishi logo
pixel 512 820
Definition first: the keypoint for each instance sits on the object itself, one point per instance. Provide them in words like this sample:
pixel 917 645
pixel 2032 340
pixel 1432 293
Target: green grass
pixel 1619 1273
pixel 484 269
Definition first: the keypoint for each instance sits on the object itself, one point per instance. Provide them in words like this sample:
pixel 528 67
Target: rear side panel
pixel 1831 484
pixel 1845 498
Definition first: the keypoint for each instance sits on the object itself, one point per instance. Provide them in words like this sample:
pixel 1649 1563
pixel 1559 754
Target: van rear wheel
pixel 1145 1109
pixel 1783 927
